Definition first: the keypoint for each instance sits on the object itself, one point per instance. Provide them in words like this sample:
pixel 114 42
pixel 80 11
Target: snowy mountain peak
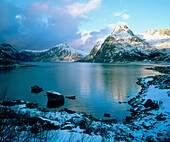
pixel 122 30
pixel 63 45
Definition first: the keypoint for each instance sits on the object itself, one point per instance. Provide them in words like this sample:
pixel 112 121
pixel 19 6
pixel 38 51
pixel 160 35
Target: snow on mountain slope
pixel 61 52
pixel 92 52
pixel 122 45
pixel 159 39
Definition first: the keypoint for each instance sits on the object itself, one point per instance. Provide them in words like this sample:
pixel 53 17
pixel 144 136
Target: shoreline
pixel 148 121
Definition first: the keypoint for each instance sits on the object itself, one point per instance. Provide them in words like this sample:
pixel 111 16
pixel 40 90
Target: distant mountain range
pixel 159 39
pixel 59 53
pixel 122 45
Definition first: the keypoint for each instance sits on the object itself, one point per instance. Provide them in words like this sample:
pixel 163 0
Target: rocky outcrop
pixel 59 53
pixel 9 55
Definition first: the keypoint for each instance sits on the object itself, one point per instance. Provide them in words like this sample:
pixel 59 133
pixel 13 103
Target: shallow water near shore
pixel 99 88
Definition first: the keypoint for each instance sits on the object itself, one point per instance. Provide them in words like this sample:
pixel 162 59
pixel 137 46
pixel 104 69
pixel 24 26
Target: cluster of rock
pixel 55 99
pixel 161 69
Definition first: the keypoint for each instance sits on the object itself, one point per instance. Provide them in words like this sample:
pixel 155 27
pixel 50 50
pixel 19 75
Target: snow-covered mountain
pixel 122 45
pixel 159 39
pixel 61 52
pixel 9 55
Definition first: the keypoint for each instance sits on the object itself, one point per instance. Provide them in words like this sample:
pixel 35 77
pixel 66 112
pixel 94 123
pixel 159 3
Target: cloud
pixel 111 26
pixel 78 9
pixel 122 14
pixel 41 25
pixel 89 38
pixel 125 16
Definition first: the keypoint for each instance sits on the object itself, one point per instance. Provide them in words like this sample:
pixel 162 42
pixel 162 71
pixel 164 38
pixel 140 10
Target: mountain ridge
pixel 59 53
pixel 122 45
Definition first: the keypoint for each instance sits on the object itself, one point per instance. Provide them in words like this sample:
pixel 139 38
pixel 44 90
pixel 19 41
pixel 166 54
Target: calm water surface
pixel 98 87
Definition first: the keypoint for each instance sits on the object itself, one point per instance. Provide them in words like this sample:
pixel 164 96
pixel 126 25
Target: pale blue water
pixel 98 87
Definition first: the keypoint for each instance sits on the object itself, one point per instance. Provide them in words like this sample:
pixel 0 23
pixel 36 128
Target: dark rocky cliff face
pixel 9 55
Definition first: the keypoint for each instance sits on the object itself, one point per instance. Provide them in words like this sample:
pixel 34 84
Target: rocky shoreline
pixel 149 120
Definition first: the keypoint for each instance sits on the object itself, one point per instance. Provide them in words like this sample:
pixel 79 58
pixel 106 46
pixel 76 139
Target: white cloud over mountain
pixel 122 14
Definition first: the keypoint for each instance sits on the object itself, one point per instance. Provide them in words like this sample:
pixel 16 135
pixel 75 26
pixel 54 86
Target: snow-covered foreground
pixel 149 120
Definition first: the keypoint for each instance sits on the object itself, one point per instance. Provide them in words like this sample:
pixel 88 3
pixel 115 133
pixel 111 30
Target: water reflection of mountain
pixel 112 81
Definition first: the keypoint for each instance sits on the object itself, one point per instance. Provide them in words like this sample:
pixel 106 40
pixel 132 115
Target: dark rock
pixel 55 99
pixel 82 124
pixel 55 104
pixel 36 89
pixel 54 96
pixel 8 103
pixel 110 121
pixel 31 105
pixel 106 115
pixel 71 97
pixel 168 93
pixel 67 128
pixel 160 117
pixel 129 118
pixel 151 104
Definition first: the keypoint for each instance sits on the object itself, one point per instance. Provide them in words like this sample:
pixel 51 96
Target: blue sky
pixel 41 24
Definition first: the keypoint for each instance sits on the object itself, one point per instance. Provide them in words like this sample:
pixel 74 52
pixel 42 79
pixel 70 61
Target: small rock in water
pixel 106 115
pixel 36 89
pixel 71 97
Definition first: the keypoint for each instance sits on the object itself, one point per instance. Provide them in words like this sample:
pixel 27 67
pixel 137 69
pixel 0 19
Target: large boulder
pixel 55 99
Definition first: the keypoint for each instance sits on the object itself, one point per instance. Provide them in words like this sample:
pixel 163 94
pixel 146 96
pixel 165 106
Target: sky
pixel 42 24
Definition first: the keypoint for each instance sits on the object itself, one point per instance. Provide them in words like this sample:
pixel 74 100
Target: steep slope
pixel 61 52
pixel 92 52
pixel 159 39
pixel 122 45
pixel 9 55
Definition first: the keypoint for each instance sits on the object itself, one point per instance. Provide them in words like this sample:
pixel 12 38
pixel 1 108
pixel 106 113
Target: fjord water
pixel 98 87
